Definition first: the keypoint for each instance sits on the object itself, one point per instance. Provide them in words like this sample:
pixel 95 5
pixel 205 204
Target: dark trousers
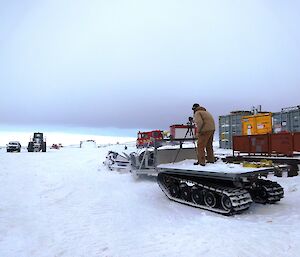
pixel 205 143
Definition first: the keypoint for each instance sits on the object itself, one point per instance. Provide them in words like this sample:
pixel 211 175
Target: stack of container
pixel 230 125
pixel 257 123
pixel 288 120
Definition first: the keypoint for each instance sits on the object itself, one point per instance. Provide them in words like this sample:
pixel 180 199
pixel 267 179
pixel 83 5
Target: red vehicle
pixel 146 138
pixel 55 146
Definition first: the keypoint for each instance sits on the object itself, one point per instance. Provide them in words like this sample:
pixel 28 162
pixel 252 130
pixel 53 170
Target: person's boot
pixel 197 163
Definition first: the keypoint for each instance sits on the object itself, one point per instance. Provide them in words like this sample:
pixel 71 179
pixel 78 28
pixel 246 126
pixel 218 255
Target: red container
pixel 281 143
pixel 180 131
pixel 241 144
pixel 296 142
pixel 259 144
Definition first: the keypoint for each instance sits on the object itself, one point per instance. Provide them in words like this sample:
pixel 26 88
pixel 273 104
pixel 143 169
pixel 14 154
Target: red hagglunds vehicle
pixel 145 139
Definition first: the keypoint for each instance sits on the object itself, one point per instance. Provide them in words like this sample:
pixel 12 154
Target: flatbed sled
pixel 222 188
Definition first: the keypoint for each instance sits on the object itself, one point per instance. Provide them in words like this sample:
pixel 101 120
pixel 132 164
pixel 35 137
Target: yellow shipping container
pixel 257 124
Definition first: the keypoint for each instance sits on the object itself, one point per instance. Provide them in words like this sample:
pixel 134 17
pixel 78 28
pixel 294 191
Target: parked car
pixel 13 146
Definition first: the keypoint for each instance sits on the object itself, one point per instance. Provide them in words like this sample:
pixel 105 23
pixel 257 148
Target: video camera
pixel 190 123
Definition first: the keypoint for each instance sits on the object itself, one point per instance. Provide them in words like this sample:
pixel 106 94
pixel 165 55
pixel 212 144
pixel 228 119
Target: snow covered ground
pixel 66 203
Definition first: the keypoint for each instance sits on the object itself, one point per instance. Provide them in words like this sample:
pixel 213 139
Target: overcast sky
pixel 142 64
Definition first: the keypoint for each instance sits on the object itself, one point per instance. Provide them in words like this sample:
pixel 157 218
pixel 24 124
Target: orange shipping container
pixel 257 124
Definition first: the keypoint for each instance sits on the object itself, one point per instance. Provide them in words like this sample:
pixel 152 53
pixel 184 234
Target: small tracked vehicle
pixel 225 192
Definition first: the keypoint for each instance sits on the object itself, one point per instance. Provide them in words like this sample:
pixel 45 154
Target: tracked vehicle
pixel 228 191
pixel 222 187
pixel 37 143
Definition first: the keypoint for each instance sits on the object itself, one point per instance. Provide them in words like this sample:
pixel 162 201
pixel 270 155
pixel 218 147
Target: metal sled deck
pixel 212 171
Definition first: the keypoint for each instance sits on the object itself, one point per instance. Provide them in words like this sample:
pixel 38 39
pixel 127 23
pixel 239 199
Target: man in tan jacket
pixel 205 132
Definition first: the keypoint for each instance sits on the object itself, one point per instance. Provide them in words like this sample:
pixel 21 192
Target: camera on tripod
pixel 190 124
pixel 191 119
pixel 189 135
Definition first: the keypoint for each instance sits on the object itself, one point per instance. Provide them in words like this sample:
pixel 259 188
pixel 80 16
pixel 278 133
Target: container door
pixel 263 124
pixel 241 144
pixel 224 131
pixel 285 122
pixel 249 125
pixel 259 144
pixel 296 143
pixel 295 120
pixel 276 121
pixel 281 143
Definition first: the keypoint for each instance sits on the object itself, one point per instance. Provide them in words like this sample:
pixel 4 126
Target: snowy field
pixel 66 203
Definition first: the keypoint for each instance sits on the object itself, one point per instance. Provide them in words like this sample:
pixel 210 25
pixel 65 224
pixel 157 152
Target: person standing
pixel 205 133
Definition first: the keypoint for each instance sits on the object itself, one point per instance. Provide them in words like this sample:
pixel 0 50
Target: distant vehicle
pixel 13 146
pixel 55 146
pixel 37 143
pixel 90 143
pixel 145 139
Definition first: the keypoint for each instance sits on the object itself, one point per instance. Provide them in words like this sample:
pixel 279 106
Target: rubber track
pixel 240 198
pixel 274 191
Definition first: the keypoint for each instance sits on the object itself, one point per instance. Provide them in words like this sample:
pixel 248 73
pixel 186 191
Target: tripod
pixel 189 132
